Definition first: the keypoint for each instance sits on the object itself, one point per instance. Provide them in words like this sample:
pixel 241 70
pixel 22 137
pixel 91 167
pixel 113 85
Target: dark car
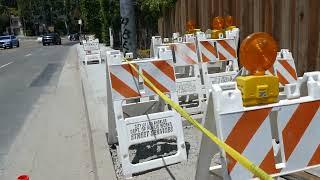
pixel 74 37
pixel 51 38
pixel 9 41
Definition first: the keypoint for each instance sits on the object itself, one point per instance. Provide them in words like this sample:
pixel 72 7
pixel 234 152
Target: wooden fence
pixel 295 24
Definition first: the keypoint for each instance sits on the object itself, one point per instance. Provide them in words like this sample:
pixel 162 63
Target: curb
pixel 101 157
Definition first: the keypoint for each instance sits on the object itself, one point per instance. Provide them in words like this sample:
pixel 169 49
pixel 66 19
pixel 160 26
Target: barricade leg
pixel 207 148
pixel 112 132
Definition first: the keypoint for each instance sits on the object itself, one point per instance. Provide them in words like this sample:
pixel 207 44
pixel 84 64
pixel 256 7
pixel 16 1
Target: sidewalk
pixel 55 142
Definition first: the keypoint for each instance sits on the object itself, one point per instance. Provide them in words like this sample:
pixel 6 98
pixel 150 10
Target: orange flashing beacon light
pixel 229 23
pixel 191 25
pixel 217 27
pixel 257 54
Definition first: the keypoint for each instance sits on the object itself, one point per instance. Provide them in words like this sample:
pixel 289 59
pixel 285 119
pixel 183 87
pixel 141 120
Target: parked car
pixel 74 37
pixel 51 38
pixel 9 41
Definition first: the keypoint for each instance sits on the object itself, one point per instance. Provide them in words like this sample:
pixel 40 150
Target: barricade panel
pixel 91 46
pixel 161 74
pixel 124 82
pixel 185 53
pixel 208 51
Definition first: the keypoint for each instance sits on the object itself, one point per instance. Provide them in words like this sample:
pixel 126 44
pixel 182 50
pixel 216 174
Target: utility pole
pixel 128 27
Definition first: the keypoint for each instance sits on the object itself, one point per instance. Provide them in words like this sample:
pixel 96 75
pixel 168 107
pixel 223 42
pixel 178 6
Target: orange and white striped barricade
pixel 285 68
pixel 280 138
pixel 147 127
pixel 189 86
pixel 219 61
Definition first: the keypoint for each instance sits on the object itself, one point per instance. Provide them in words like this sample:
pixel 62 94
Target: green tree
pixel 92 16
pixel 110 11
pixel 62 14
pixel 148 13
pixel 6 10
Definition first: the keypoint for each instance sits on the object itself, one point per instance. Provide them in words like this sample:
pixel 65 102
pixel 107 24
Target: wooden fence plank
pixel 295 24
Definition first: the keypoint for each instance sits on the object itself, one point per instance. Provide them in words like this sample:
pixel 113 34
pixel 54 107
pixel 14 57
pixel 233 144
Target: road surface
pixel 25 74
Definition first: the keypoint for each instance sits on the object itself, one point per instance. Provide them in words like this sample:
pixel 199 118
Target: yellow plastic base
pixel 215 34
pixel 257 90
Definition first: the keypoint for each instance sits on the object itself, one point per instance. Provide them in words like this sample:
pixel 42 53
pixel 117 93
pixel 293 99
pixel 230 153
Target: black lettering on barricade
pixel 149 128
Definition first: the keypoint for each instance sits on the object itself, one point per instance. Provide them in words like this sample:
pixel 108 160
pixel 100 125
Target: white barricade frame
pixel 212 54
pixel 90 46
pixel 280 138
pixel 189 86
pixel 124 84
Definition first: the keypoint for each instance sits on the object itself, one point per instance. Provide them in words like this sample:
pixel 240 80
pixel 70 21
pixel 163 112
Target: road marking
pixel 28 55
pixel 5 65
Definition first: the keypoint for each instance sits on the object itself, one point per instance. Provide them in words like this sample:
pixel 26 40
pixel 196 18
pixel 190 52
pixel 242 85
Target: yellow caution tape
pixel 233 153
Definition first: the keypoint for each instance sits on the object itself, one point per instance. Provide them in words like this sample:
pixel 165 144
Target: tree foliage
pixel 97 15
pixel 58 13
pixel 92 16
pixel 111 18
pixel 148 13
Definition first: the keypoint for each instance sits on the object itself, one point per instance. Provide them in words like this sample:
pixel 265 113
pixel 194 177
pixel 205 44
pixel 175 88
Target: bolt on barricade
pixel 138 117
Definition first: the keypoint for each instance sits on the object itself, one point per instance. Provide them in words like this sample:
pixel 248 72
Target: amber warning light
pixel 258 52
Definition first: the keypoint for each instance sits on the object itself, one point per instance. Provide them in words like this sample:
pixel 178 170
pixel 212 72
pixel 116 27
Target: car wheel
pixel 44 44
pixel 11 46
pixel 18 44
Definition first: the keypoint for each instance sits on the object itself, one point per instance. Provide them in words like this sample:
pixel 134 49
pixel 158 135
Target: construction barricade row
pixel 199 62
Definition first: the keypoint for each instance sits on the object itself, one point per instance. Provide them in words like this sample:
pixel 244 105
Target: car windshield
pixel 4 37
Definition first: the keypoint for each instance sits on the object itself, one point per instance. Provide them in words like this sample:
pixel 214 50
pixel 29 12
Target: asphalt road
pixel 25 74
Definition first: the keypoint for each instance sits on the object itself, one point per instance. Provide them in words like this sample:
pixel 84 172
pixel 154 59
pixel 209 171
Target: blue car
pixel 8 41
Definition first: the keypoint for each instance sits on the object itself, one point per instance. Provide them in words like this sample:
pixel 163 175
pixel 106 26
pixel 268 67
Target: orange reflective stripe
pixel 129 69
pixel 268 164
pixel 122 88
pixel 205 58
pixel 183 55
pixel 154 82
pixel 166 68
pixel 244 130
pixel 315 158
pixel 209 47
pixel 297 125
pixel 228 48
pixel 289 68
pixel 191 46
pixel 283 81
pixel 221 56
